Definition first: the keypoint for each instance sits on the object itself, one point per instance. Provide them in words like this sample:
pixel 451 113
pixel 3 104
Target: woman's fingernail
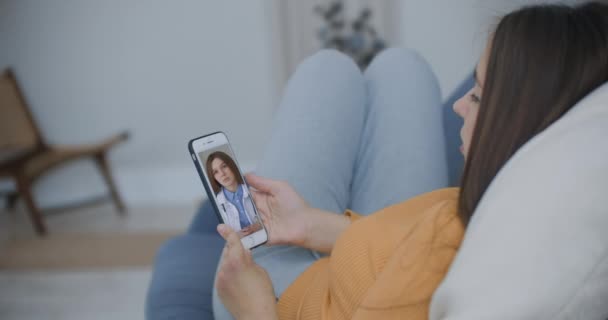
pixel 220 228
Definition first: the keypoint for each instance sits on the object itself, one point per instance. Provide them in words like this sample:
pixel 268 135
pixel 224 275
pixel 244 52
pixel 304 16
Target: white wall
pixel 172 70
pixel 167 71
pixel 451 35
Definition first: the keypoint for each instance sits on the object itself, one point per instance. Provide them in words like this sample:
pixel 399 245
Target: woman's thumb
pixel 262 184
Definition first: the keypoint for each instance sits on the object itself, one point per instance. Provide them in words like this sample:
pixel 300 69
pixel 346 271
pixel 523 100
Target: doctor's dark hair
pixel 543 59
pixel 216 186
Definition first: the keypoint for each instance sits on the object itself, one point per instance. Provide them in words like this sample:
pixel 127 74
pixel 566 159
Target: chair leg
pixel 25 190
pixel 11 200
pixel 102 163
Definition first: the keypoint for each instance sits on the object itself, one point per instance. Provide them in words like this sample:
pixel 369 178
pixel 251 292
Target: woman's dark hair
pixel 543 59
pixel 216 186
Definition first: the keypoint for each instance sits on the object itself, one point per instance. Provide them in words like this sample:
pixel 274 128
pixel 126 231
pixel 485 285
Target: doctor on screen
pixel 233 200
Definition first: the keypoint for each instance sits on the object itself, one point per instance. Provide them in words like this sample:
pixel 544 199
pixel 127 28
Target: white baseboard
pixel 139 186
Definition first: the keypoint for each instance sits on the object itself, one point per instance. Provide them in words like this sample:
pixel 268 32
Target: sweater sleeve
pixel 383 266
pixel 405 285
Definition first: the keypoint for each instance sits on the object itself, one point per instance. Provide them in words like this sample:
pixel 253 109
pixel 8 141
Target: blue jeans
pixel 343 139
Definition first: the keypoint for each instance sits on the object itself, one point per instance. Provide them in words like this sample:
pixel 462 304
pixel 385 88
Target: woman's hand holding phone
pixel 290 220
pixel 282 209
pixel 243 286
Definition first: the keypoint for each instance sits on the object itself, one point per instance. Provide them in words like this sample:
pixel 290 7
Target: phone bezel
pixel 212 140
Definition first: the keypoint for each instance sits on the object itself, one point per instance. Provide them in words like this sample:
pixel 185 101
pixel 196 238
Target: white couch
pixel 537 246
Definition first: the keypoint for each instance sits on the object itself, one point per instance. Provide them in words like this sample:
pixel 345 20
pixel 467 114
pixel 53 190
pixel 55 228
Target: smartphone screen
pixel 227 188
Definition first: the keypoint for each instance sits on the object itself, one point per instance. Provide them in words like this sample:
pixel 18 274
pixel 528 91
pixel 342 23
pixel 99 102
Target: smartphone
pixel 226 187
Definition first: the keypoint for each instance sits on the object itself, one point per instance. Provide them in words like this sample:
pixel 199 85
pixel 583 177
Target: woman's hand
pixel 282 209
pixel 243 286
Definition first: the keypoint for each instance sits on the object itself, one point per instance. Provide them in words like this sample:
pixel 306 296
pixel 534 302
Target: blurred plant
pixel 356 38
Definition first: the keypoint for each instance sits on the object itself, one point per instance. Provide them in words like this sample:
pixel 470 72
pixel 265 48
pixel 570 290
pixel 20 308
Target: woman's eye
pixel 474 98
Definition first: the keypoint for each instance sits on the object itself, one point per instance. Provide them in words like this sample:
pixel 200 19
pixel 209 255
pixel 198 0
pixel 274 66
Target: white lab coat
pixel 230 213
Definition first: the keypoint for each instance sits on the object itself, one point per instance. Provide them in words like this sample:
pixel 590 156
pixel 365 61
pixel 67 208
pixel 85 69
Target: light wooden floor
pixel 97 294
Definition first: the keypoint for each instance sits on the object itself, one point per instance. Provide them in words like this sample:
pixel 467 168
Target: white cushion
pixel 537 246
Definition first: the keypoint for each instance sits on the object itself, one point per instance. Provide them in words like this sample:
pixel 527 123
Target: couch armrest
pixel 183 276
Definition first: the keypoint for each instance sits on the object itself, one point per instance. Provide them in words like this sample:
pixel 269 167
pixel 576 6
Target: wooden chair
pixel 25 156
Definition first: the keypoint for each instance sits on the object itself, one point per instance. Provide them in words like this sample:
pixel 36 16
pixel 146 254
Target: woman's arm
pixel 322 229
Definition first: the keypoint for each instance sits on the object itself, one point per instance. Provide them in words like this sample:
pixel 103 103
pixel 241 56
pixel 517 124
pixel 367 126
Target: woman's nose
pixel 459 107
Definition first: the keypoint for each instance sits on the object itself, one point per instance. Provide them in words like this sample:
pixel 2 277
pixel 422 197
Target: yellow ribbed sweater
pixel 383 266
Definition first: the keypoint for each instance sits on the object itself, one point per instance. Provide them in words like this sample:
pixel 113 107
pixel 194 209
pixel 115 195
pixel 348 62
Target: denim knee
pixel 391 59
pixel 329 60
